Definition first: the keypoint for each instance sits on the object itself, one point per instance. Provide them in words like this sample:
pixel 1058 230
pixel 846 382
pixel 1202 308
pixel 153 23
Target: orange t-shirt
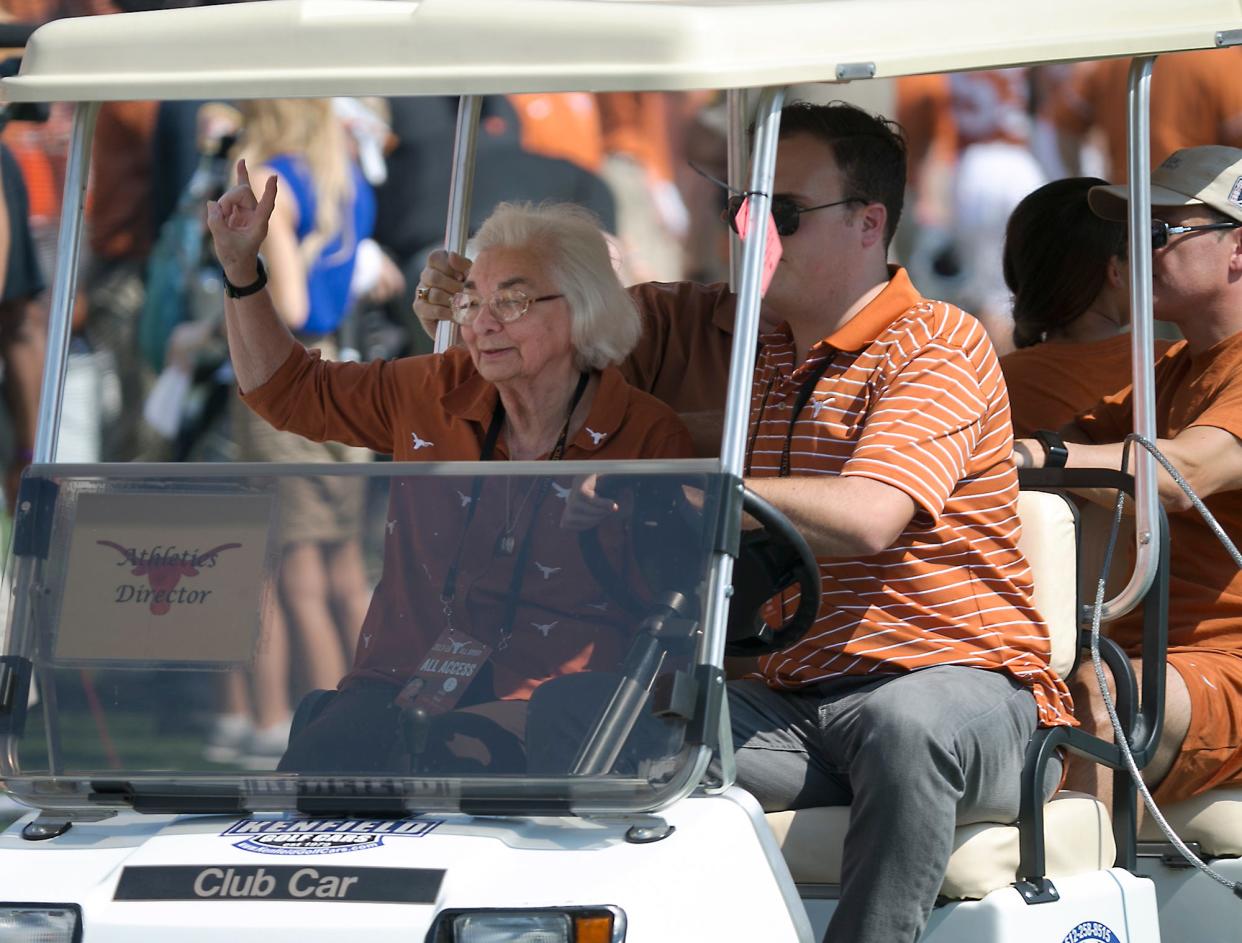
pixel 565 125
pixel 1205 588
pixel 437 408
pixel 1051 383
pixel 913 397
pixel 1196 98
pixel 637 124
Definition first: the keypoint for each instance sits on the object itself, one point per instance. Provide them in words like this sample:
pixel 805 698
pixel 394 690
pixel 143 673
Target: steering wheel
pixel 769 561
pixel 665 531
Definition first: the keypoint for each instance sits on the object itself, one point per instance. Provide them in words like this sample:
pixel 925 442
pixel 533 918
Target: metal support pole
pixel 735 103
pixel 65 284
pixel 1142 351
pixel 746 326
pixel 745 339
pixel 457 229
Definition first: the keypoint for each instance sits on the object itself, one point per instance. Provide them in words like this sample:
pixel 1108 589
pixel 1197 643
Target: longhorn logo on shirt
pixel 164 568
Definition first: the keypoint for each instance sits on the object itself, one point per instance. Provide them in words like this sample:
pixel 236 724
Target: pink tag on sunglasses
pixel 771 248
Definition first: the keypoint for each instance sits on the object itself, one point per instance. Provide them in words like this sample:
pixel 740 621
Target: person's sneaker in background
pixel 226 737
pixel 265 746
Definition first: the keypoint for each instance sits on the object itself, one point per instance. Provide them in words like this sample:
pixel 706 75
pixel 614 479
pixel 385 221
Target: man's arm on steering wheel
pixel 840 516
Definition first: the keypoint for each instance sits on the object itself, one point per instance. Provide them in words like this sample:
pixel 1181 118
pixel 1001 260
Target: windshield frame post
pixel 461 187
pixel 65 282
pixel 1142 341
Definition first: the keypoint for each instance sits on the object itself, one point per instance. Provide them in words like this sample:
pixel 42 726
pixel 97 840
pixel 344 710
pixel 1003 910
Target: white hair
pixel 568 240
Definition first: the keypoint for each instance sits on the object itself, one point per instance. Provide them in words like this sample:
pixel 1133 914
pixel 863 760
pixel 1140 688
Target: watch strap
pixel 1055 452
pixel 236 291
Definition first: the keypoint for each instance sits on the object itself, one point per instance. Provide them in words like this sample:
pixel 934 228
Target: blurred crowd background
pixel 148 375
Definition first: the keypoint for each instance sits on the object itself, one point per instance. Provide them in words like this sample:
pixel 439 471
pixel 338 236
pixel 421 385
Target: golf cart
pixel 137 588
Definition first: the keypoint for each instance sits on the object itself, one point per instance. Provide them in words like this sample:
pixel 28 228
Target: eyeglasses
pixel 785 212
pixel 507 305
pixel 1161 231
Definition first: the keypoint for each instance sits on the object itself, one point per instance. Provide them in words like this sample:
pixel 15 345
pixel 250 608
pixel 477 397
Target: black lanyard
pixel 449 592
pixel 800 401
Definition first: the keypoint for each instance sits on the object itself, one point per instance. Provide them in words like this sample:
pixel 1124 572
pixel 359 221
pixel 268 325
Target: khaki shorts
pixel 318 509
pixel 1211 754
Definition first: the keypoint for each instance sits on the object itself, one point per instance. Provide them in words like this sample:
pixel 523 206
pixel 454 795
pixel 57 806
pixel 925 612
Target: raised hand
pixel 444 276
pixel 238 224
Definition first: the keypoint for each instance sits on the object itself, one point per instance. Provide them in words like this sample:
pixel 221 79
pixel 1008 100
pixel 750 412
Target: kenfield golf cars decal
pixel 280 882
pixel 1091 931
pixel 322 836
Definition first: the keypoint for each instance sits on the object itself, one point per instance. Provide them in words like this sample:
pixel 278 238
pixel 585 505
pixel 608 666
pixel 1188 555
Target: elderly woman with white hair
pixel 544 321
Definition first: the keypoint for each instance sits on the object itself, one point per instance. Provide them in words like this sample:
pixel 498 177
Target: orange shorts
pixel 1211 754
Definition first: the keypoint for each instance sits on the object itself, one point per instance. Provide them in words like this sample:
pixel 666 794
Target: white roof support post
pixel 1142 349
pixel 65 284
pixel 745 339
pixel 735 105
pixel 461 185
pixel 746 324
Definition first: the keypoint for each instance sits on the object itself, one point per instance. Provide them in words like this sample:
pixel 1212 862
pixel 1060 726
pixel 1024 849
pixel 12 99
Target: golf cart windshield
pixel 509 659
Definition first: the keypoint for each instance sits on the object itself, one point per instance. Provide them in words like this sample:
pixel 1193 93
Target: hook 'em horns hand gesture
pixel 238 224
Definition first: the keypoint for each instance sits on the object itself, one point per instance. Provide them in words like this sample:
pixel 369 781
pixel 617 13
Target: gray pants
pixel 913 756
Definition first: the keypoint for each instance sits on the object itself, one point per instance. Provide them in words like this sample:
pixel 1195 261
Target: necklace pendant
pixel 505 544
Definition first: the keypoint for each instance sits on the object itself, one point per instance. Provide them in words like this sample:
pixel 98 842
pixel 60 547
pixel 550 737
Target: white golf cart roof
pixel 424 47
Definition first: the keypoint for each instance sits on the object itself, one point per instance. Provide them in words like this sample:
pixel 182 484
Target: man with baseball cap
pixel 1197 285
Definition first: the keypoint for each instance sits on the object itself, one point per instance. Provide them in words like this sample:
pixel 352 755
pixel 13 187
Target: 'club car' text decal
pixel 322 836
pixel 273 882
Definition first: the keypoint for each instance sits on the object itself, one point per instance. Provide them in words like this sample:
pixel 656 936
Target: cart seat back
pixel 1049 541
pixel 1214 820
pixel 1077 833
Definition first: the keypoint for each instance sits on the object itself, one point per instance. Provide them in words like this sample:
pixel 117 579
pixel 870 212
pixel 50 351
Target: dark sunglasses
pixel 1161 231
pixel 785 212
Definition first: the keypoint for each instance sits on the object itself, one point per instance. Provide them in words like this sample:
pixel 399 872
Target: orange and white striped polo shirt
pixel 911 395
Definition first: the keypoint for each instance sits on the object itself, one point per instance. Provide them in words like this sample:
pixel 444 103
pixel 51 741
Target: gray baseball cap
pixel 1209 176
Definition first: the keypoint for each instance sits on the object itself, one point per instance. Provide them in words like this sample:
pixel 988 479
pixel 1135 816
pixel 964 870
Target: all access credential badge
pixel 446 671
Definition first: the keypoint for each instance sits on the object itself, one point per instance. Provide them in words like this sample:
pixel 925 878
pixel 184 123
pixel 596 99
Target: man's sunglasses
pixel 785 212
pixel 1161 231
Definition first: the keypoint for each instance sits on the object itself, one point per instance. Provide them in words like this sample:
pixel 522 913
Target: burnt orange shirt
pixel 924 113
pixel 1051 383
pixel 564 125
pixel 637 124
pixel 1205 588
pixel 120 199
pixel 437 408
pixel 913 397
pixel 683 356
pixel 1196 98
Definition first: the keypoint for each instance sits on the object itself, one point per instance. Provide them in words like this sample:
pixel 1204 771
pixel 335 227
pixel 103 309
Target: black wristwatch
pixel 1055 452
pixel 234 291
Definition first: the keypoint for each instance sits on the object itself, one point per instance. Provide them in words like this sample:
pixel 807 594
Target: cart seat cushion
pixel 1049 542
pixel 1214 820
pixel 1077 832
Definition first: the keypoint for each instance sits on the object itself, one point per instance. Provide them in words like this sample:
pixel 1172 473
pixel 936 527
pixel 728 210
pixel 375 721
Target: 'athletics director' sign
pixel 164 578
